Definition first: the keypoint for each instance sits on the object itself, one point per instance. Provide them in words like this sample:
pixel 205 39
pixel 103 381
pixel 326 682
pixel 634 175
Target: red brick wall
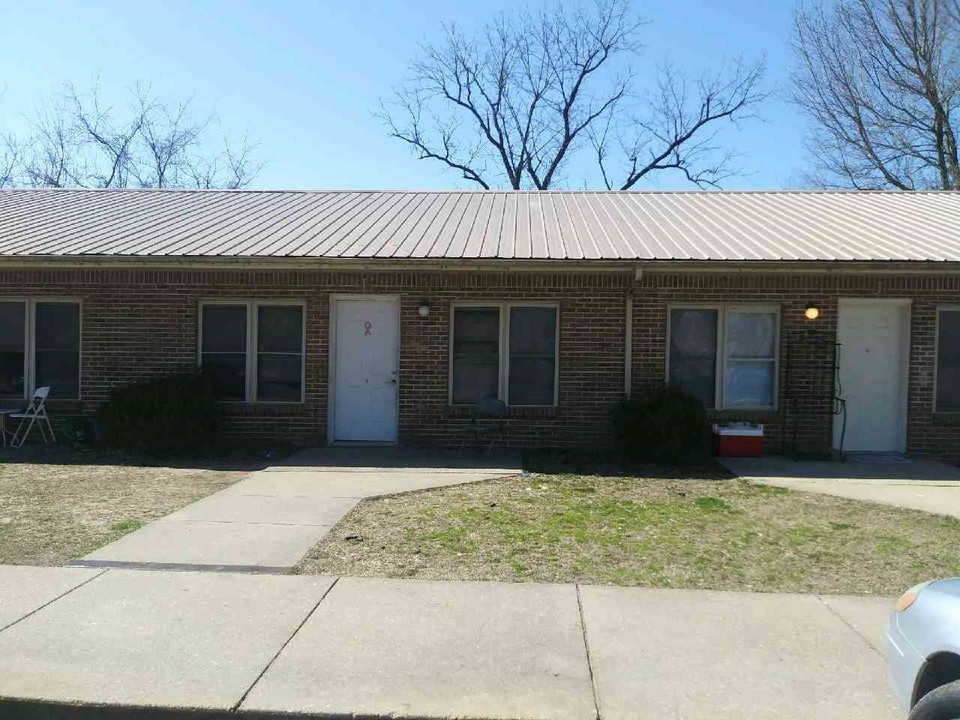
pixel 137 323
pixel 810 345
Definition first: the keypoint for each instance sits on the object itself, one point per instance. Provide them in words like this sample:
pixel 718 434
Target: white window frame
pixel 30 342
pixel 936 351
pixel 253 315
pixel 721 359
pixel 504 306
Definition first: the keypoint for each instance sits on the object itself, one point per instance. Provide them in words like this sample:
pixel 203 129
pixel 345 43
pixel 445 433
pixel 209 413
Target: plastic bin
pixel 738 440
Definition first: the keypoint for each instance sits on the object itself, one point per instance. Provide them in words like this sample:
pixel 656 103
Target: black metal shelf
pixel 805 403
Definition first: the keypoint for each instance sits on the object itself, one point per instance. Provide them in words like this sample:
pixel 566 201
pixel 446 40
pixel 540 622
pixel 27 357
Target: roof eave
pixel 520 265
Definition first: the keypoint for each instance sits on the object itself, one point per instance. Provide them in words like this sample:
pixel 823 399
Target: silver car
pixel 923 650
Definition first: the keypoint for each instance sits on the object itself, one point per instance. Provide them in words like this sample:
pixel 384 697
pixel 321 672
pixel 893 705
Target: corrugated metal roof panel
pixel 575 226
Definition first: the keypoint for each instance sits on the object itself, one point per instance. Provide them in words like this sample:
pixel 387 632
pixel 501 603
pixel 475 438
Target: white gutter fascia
pixel 634 267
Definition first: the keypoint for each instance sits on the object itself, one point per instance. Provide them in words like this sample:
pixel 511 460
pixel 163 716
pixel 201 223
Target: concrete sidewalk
pixel 126 641
pixel 267 522
pixel 921 484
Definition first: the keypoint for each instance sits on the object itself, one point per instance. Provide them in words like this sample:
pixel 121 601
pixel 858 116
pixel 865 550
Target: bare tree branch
pixel 77 140
pixel 446 149
pixel 513 105
pixel 881 80
pixel 509 106
pixel 234 168
pixel 10 152
pixel 678 133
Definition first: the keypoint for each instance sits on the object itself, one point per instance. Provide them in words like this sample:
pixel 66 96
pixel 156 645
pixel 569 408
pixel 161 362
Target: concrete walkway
pixel 267 522
pixel 278 646
pixel 920 484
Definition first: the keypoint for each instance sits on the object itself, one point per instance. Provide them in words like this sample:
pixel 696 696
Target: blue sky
pixel 303 79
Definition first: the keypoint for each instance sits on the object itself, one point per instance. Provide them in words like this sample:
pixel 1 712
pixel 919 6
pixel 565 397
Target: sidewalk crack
pixel 63 594
pixel 846 622
pixel 586 647
pixel 296 630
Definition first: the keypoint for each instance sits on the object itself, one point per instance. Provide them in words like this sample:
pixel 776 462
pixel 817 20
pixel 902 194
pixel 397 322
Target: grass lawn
pixel 62 507
pixel 679 529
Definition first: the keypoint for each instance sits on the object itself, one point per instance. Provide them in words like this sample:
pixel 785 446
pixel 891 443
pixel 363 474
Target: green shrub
pixel 170 414
pixel 664 424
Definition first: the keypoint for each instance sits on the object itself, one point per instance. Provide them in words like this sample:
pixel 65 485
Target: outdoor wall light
pixel 811 312
pixel 424 308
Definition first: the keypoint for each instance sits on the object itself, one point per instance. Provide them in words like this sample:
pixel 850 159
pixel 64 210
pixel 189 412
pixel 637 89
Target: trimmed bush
pixel 664 424
pixel 170 414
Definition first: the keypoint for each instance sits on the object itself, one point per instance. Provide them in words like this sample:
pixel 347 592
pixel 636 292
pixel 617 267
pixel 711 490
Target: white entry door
pixel 366 346
pixel 873 337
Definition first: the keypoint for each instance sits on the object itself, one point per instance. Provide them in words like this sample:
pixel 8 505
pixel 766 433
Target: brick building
pixel 833 318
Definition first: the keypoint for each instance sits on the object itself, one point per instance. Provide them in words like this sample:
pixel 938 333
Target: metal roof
pixel 453 225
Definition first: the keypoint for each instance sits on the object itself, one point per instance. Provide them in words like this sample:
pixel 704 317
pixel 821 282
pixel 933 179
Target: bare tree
pixel 881 80
pixel 78 141
pixel 514 104
pixel 9 160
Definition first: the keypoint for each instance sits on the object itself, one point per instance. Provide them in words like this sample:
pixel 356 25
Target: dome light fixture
pixel 811 312
pixel 424 309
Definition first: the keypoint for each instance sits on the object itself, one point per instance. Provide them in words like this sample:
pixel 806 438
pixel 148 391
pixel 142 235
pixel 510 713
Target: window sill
pixel 517 411
pixel 752 413
pixel 261 403
pixel 265 408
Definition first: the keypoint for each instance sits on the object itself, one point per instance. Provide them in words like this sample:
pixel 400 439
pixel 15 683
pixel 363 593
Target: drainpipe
pixel 628 347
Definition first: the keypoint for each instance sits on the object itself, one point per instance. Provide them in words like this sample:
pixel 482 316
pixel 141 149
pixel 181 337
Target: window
pixel 253 351
pixel 224 349
pixel 13 349
pixel 948 360
pixel 533 355
pixel 39 347
pixel 476 354
pixel 726 356
pixel 279 353
pixel 504 350
pixel 693 352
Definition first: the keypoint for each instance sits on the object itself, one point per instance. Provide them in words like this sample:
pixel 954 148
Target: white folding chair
pixel 36 413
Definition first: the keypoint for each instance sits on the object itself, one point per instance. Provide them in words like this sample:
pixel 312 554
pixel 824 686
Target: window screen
pixel 693 352
pixel 224 349
pixel 279 353
pixel 57 348
pixel 476 354
pixel 533 347
pixel 12 348
pixel 948 361
pixel 751 359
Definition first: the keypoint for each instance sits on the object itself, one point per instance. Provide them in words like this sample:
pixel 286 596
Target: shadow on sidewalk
pixel 396 457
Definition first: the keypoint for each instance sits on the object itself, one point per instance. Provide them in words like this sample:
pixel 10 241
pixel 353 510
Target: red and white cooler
pixel 738 440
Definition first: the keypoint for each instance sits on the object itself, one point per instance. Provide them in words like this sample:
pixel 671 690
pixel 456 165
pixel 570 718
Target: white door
pixel 365 369
pixel 873 337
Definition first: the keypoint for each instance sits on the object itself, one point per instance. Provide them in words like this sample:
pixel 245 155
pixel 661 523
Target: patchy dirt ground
pixel 51 513
pixel 667 529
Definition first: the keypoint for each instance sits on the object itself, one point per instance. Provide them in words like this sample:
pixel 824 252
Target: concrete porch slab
pixel 213 543
pixel 348 484
pixel 152 639
pixel 243 508
pixel 851 470
pixel 24 590
pixel 678 653
pixel 414 649
pixel 925 485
